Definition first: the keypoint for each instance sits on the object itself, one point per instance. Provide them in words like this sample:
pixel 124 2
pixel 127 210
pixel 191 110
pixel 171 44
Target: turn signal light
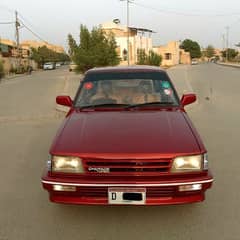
pixel 192 187
pixel 64 188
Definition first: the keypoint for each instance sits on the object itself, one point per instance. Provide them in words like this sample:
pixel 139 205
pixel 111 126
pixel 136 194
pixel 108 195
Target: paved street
pixel 28 123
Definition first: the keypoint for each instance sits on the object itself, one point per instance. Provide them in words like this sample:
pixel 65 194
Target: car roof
pixel 136 68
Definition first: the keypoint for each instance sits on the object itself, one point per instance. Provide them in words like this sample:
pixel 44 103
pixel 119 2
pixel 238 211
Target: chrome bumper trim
pixel 126 185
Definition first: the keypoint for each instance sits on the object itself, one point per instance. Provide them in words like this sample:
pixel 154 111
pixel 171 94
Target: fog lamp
pixel 64 188
pixel 191 187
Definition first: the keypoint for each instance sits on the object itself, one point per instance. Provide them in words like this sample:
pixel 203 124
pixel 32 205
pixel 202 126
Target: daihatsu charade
pixel 127 140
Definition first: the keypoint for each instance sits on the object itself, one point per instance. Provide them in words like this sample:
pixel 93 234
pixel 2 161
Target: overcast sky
pixel 204 21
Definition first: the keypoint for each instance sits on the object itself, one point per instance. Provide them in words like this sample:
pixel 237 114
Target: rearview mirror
pixel 64 101
pixel 188 99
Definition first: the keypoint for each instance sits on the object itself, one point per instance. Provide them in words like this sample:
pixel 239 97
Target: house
pixel 13 57
pixel 6 47
pixel 139 38
pixel 7 51
pixel 172 54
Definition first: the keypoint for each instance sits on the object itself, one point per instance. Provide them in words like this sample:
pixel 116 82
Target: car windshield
pixel 126 90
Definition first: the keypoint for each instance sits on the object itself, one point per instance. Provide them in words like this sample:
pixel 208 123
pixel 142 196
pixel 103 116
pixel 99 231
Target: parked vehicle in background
pixel 72 66
pixel 194 61
pixel 58 65
pixel 127 140
pixel 49 66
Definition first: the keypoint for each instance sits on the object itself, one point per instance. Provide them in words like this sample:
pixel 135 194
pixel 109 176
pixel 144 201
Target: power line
pixel 175 12
pixel 24 19
pixel 6 22
pixel 35 34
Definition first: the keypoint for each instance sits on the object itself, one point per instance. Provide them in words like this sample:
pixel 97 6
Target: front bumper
pixel 96 192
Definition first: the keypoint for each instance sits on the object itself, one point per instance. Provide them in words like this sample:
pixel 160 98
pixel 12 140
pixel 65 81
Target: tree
pixel 154 59
pixel 42 55
pixel 142 57
pixel 96 49
pixel 72 45
pixel 191 46
pixel 209 51
pixel 151 59
pixel 232 53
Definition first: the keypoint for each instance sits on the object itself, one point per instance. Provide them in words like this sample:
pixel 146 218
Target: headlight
pixel 188 164
pixel 67 164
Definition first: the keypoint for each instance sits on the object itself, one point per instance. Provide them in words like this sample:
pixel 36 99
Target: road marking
pixel 187 80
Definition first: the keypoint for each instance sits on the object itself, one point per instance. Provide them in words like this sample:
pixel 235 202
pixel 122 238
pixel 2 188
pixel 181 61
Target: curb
pixel 229 65
pixel 63 109
pixel 9 78
pixel 6 79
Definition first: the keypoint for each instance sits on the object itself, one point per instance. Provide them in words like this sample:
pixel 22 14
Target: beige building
pixel 139 38
pixel 172 54
pixel 28 44
pixel 7 42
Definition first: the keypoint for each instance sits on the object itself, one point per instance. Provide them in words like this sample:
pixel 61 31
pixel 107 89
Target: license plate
pixel 132 196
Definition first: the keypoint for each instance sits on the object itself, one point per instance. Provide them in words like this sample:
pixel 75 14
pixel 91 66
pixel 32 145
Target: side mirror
pixel 188 99
pixel 64 101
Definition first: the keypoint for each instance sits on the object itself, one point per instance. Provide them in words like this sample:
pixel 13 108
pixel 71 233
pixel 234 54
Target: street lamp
pixel 128 1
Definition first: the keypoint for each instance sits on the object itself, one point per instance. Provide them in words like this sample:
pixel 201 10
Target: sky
pixel 204 21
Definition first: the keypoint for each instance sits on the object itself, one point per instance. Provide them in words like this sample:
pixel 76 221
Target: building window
pixel 168 56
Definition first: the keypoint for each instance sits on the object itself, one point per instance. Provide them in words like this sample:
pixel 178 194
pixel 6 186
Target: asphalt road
pixel 28 123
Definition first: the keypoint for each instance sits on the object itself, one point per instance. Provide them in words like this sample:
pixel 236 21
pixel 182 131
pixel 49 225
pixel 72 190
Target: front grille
pixel 93 191
pixel 154 192
pixel 128 166
pixel 102 192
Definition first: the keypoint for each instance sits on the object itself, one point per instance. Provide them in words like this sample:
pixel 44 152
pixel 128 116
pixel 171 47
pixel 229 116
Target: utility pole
pixel 227 43
pixel 223 42
pixel 17 25
pixel 128 56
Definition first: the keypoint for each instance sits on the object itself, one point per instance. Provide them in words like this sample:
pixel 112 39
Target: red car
pixel 127 140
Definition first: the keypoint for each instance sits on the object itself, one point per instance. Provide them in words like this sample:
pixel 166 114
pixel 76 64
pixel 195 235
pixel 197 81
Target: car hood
pixel 126 132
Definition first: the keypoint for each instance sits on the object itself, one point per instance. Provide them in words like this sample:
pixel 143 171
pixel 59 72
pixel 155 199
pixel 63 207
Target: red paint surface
pixel 137 135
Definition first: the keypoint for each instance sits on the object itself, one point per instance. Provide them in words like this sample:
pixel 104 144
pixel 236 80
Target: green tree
pixel 72 45
pixel 142 57
pixel 96 49
pixel 209 51
pixel 152 58
pixel 42 55
pixel 2 74
pixel 232 53
pixel 191 46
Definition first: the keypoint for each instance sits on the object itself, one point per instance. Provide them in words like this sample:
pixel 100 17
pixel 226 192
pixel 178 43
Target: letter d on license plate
pixel 131 196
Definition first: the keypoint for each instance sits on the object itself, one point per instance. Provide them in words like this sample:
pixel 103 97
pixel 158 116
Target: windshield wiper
pixel 105 105
pixel 149 104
